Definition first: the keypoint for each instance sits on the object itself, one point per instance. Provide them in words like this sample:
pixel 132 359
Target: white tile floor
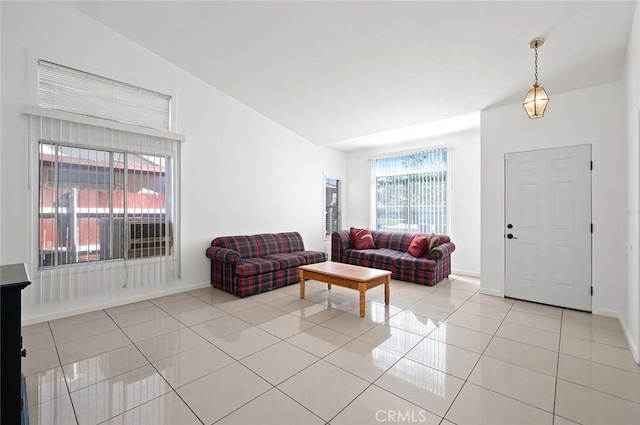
pixel 441 355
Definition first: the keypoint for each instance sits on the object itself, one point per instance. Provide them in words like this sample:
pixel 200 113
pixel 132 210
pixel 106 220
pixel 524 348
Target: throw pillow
pixel 419 245
pixel 362 238
pixel 434 241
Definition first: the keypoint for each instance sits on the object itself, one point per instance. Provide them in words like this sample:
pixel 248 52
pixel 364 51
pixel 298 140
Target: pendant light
pixel 537 99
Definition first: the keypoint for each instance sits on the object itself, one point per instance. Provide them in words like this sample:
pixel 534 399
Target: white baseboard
pixel 492 292
pixel 632 345
pixel 30 320
pixel 465 272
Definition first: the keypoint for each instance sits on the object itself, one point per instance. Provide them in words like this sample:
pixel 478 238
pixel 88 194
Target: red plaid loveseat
pixel 250 264
pixel 391 254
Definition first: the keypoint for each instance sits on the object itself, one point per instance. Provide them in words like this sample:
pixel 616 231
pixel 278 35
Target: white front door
pixel 548 226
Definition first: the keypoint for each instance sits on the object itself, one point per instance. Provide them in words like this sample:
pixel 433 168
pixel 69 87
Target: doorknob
pixel 510 236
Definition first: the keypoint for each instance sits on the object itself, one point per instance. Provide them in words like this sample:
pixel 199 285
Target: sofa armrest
pixel 224 255
pixel 340 242
pixel 441 251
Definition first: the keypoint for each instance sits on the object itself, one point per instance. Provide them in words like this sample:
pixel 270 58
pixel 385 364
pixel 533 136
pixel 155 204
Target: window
pixel 79 92
pixel 331 206
pixel 411 192
pixel 97 204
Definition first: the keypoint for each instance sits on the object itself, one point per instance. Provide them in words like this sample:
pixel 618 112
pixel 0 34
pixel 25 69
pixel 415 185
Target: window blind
pixel 79 92
pixel 411 192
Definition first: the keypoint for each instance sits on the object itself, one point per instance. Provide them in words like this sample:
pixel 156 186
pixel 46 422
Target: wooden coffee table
pixel 347 276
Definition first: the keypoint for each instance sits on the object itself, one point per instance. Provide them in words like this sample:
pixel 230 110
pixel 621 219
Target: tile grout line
pixel 64 375
pixel 466 380
pixel 555 387
pixel 159 374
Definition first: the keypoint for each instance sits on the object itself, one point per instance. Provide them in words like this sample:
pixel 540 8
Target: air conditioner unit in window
pixel 148 238
pixel 135 239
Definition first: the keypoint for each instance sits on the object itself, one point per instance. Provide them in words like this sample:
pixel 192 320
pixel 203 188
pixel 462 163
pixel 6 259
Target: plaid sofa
pixel 247 265
pixel 391 254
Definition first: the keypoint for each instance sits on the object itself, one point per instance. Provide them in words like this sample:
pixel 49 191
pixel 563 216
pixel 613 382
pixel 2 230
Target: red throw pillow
pixel 419 245
pixel 362 239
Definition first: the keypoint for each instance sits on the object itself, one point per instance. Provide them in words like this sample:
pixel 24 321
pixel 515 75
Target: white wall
pixel 631 83
pixel 241 172
pixel 465 192
pixel 589 116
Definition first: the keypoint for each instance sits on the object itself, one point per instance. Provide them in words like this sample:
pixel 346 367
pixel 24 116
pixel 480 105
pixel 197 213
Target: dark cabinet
pixel 13 403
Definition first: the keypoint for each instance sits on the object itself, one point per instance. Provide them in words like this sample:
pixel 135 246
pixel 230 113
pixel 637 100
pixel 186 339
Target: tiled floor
pixel 437 355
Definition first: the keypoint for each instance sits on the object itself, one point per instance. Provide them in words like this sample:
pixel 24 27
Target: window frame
pixel 167 220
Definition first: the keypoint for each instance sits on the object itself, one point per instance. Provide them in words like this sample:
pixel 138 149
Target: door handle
pixel 510 236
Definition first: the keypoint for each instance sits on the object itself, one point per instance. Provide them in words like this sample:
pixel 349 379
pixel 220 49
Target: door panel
pixel 548 205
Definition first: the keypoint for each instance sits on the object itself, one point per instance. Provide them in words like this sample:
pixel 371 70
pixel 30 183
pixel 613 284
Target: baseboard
pixel 113 303
pixel 632 346
pixel 492 292
pixel 465 273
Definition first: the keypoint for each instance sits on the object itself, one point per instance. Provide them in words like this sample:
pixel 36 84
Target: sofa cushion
pixel 419 246
pixel 254 266
pixel 398 241
pixel 408 261
pixel 362 239
pixel 275 243
pixel 380 256
pixel 312 257
pixel 287 260
pixel 252 246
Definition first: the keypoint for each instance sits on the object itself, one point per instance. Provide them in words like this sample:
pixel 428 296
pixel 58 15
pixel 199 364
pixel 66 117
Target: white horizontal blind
pixel 79 92
pixel 411 192
pixel 152 165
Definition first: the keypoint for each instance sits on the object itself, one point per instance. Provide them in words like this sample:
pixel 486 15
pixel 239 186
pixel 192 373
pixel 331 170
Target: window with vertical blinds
pixel 79 92
pixel 98 204
pixel 106 204
pixel 411 192
pixel 106 207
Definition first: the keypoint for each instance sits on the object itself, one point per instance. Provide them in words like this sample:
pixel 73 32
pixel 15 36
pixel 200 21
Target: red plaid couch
pixel 247 265
pixel 391 254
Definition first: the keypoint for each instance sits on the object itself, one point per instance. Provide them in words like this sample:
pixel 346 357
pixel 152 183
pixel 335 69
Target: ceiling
pixel 338 72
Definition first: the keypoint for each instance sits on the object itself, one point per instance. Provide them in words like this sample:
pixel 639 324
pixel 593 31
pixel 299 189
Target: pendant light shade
pixel 537 99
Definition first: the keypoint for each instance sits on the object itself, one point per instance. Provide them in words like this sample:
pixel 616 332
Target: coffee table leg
pixel 362 288
pixel 301 274
pixel 386 291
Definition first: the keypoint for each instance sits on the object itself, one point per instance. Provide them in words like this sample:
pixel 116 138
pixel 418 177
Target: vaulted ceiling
pixel 335 71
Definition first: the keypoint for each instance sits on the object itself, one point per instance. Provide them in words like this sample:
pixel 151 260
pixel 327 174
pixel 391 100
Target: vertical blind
pixel 79 92
pixel 411 192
